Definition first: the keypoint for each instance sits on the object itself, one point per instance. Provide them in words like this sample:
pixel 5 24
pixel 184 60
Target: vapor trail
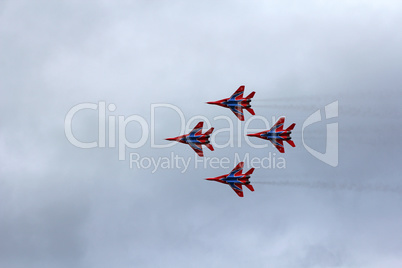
pixel 343 109
pixel 314 98
pixel 288 106
pixel 361 187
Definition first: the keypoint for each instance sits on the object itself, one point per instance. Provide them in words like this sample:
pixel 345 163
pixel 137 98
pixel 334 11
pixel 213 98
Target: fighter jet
pixel 276 135
pixel 195 139
pixel 237 103
pixel 236 179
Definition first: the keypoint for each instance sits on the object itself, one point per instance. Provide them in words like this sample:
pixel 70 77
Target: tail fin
pixel 250 187
pixel 209 146
pixel 250 95
pixel 251 111
pixel 209 131
pixel 291 143
pixel 290 128
pixel 250 171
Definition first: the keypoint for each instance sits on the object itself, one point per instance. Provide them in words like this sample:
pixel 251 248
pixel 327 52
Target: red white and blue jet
pixel 276 135
pixel 237 103
pixel 195 139
pixel 236 179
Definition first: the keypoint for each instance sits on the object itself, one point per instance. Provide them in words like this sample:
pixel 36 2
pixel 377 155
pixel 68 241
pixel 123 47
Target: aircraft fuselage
pixel 284 135
pixel 245 103
pixel 244 179
pixel 202 139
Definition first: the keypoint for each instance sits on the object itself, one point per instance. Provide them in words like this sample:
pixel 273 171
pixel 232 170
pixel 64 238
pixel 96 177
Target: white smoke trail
pixel 343 109
pixel 314 98
pixel 361 187
pixel 301 107
pixel 325 97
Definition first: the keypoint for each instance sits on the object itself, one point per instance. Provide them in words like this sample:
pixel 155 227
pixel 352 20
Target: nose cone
pixel 171 139
pixel 215 102
pixel 253 135
pixel 210 179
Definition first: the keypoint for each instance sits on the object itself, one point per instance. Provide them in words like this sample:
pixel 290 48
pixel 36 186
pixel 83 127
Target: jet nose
pixel 170 139
pixel 212 102
pixel 210 179
pixel 252 135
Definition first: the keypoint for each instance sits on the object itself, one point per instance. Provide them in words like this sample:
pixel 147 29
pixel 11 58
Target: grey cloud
pixel 62 206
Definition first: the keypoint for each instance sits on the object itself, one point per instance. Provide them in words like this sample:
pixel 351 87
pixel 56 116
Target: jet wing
pixel 238 111
pixel 238 169
pixel 278 143
pixel 197 148
pixel 197 130
pixel 237 188
pixel 278 125
pixel 238 94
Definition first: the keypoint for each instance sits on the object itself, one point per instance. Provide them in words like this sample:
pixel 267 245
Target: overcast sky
pixel 63 206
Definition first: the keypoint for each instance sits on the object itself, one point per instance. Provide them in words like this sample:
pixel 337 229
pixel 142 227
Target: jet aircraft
pixel 276 135
pixel 236 179
pixel 237 103
pixel 195 139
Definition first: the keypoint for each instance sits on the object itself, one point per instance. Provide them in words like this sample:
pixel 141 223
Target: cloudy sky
pixel 64 206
